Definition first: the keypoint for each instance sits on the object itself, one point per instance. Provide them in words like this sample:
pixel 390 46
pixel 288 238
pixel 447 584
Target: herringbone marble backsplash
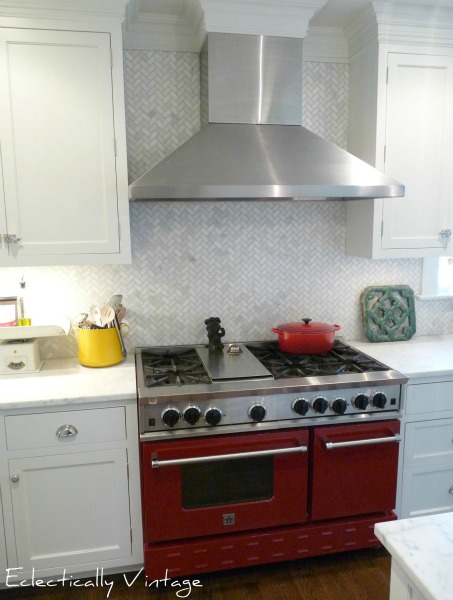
pixel 254 264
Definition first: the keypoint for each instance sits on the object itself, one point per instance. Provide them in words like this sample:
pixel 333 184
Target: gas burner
pixel 193 375
pixel 172 367
pixel 341 359
pixel 159 378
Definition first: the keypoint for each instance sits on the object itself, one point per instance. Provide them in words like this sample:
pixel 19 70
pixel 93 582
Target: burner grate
pixel 341 359
pixel 172 367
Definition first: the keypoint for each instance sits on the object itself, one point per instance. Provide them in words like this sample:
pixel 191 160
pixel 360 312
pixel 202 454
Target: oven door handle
pixel 156 463
pixel 396 438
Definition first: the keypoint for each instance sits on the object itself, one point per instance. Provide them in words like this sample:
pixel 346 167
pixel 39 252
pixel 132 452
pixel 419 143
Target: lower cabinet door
pixel 3 561
pixel 427 490
pixel 70 509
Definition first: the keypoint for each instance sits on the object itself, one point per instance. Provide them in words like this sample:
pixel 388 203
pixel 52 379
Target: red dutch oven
pixel 306 338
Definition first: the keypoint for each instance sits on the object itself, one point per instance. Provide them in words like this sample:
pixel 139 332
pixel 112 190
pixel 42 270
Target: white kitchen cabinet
pixel 427 490
pixel 426 477
pixel 63 151
pixel 401 121
pixel 70 508
pixel 3 561
pixel 72 480
pixel 401 586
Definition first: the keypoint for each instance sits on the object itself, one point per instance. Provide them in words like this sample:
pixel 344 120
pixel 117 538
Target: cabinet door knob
pixel 66 431
pixel 450 491
pixel 445 233
pixel 12 238
pixel 14 478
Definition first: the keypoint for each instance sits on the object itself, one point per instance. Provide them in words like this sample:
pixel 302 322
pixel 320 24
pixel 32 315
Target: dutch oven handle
pixel 307 321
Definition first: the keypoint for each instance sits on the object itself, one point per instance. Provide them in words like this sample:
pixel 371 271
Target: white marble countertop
pixel 65 381
pixel 424 356
pixel 423 548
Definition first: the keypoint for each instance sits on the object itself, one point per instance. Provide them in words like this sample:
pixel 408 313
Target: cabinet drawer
pixel 428 440
pixel 429 397
pixel 62 429
pixel 427 491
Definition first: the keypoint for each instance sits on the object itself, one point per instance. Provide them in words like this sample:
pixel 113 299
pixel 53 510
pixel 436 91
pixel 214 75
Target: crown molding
pixel 186 32
pixel 151 31
pixel 362 31
pixel 417 23
pixel 326 44
pixel 286 18
pixel 63 9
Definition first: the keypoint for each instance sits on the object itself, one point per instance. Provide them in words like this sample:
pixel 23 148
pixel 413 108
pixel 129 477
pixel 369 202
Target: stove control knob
pixel 319 404
pixel 379 400
pixel 360 401
pixel 171 416
pixel 213 416
pixel 257 412
pixel 192 414
pixel 300 406
pixel 339 406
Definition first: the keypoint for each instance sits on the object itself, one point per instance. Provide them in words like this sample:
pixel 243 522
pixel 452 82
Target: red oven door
pixel 354 469
pixel 224 484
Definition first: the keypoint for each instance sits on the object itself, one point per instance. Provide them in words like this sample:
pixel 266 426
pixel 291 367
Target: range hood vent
pixel 252 145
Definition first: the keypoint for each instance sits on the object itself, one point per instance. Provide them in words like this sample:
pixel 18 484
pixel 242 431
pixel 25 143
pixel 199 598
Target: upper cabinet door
pixel 58 142
pixel 419 150
pixel 3 228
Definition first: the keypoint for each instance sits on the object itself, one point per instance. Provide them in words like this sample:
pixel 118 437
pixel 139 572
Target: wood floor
pixel 362 575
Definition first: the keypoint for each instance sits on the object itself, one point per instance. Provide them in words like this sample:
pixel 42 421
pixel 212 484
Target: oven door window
pixel 227 482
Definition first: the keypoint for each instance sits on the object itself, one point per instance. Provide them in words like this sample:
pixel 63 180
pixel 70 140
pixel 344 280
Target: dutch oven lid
pixel 308 326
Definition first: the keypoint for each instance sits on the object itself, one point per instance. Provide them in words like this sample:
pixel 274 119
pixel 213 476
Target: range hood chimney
pixel 252 145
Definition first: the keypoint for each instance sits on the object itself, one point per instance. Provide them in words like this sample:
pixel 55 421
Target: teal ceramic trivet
pixel 388 313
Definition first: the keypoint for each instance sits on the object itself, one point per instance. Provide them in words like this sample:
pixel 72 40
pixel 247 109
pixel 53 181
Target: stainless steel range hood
pixel 252 145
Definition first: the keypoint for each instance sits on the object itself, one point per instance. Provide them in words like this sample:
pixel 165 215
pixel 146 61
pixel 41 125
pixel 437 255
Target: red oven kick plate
pixel 248 549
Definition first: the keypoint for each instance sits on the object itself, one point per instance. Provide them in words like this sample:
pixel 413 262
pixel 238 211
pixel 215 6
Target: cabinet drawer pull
pixel 450 491
pixel 16 366
pixel 12 238
pixel 66 431
pixel 14 478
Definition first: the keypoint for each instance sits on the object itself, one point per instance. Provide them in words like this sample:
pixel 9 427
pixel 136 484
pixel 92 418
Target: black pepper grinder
pixel 215 334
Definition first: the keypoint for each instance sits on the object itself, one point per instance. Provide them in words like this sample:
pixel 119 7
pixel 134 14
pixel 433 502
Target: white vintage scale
pixel 19 346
